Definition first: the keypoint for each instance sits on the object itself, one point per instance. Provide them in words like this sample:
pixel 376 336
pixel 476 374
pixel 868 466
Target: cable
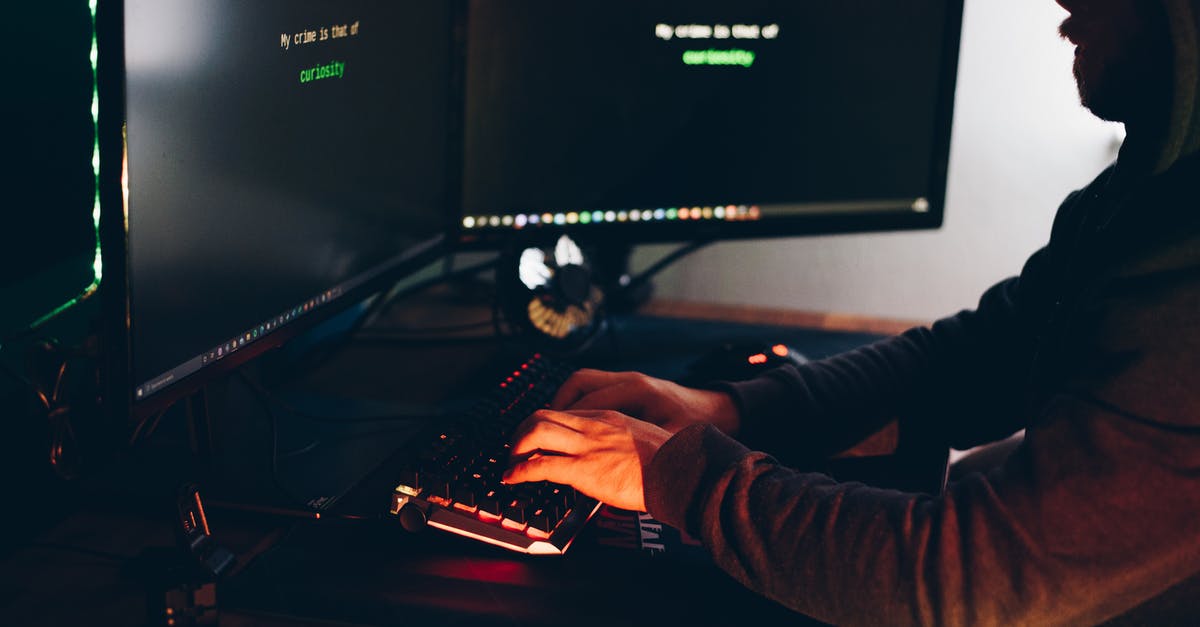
pixel 384 300
pixel 273 420
pixel 662 264
pixel 152 421
pixel 58 413
pixel 264 399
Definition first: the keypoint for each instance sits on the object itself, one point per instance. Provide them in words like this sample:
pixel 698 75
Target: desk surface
pixel 353 572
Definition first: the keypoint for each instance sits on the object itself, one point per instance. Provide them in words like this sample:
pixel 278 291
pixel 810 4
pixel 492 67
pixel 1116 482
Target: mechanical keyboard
pixel 452 481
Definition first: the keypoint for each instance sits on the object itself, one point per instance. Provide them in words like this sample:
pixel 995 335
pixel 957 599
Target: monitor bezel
pixel 117 359
pixel 779 227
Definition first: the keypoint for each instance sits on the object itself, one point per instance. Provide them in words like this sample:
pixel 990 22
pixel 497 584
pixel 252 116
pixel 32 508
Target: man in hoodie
pixel 1093 350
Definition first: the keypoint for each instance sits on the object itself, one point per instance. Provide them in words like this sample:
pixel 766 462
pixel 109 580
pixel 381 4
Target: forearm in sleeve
pixel 1090 517
pixel 959 377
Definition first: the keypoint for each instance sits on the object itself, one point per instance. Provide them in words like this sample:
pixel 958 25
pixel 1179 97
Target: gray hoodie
pixel 1183 137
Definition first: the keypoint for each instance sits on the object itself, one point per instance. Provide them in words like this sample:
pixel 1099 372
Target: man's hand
pixel 666 404
pixel 599 453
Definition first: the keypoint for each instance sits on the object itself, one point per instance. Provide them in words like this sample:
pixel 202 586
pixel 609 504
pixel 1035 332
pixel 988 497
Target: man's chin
pixel 1093 95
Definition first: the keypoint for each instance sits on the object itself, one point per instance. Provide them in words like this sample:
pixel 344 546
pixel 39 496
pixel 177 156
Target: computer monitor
pixel 683 120
pixel 264 165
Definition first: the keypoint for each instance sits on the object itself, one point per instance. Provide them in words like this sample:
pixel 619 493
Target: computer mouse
pixel 738 361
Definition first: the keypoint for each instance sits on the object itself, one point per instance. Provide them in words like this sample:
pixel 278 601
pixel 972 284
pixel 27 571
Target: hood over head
pixel 1181 136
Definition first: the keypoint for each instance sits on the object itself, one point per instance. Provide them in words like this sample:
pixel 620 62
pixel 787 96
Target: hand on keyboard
pixel 599 453
pixel 667 404
pixel 450 477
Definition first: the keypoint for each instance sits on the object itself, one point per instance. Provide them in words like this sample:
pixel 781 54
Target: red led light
pixel 757 359
pixel 780 349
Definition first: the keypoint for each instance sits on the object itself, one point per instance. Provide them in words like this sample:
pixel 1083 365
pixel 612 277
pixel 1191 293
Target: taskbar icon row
pixel 254 333
pixel 236 343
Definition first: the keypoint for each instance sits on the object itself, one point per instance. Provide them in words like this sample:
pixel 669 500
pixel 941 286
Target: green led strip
pixel 97 264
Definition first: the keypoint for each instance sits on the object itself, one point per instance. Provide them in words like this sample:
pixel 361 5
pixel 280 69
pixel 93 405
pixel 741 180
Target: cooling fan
pixel 551 296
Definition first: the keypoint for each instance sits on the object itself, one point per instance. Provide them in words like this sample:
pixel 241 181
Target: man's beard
pixel 1128 88
pixel 1099 95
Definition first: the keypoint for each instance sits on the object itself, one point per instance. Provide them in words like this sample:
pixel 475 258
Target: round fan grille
pixel 551 296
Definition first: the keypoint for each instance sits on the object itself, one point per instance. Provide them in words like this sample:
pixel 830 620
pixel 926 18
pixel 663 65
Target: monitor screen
pixel 280 155
pixel 693 118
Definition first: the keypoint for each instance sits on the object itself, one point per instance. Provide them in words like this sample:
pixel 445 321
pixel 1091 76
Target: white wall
pixel 1021 142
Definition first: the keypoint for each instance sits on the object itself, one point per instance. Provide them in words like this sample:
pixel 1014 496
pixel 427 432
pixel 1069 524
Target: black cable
pixel 283 489
pixel 662 264
pixel 384 300
pixel 152 422
pixel 264 399
pixel 273 420
pixel 58 413
pixel 302 450
pixel 499 319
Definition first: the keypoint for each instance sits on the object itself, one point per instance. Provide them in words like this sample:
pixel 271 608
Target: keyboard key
pixel 543 519
pixel 465 495
pixel 437 485
pixel 490 503
pixel 516 511
pixel 409 477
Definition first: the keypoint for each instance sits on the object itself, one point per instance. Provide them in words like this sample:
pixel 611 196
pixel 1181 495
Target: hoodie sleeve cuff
pixel 683 472
pixel 762 402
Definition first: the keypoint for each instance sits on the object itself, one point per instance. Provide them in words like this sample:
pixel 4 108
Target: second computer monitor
pixel 684 119
pixel 283 160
